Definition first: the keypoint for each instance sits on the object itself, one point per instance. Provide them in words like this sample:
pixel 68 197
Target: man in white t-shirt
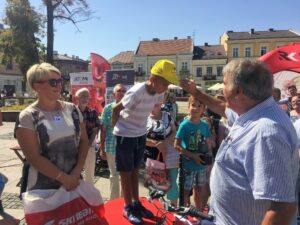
pixel 129 120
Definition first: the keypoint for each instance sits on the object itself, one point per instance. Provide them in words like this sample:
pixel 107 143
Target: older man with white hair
pixel 254 177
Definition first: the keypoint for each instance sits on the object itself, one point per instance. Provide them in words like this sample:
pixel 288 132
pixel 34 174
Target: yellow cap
pixel 166 69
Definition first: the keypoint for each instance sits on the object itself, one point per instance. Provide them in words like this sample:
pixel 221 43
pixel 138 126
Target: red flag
pixel 284 58
pixel 99 66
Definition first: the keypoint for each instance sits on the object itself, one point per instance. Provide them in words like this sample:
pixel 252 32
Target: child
pixel 129 119
pixel 161 132
pixel 191 140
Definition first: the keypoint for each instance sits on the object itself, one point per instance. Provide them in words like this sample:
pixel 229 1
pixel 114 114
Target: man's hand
pixel 189 86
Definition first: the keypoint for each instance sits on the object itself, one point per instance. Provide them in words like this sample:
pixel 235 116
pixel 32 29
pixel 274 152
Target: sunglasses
pixel 51 82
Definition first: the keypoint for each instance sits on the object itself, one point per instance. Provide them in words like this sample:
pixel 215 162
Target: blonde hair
pixel 38 71
pixel 82 90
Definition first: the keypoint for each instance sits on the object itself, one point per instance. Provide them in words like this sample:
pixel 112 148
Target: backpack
pixel 160 129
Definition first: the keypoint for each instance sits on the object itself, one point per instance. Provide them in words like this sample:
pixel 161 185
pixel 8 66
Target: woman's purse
pixel 156 174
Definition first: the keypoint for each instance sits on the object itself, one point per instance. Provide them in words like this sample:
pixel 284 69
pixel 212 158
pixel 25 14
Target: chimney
pixel 271 29
pixel 252 30
pixel 205 44
pixel 155 39
pixel 230 31
pixel 188 37
pixel 55 52
pixel 175 38
pixel 73 56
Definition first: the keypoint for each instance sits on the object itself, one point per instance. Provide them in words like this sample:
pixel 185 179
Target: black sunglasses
pixel 51 82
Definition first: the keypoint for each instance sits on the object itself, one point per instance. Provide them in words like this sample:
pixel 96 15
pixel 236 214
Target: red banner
pixel 284 63
pixel 284 58
pixel 99 66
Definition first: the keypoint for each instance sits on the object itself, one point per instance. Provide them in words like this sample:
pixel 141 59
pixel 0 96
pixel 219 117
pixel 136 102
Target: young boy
pixel 192 142
pixel 129 119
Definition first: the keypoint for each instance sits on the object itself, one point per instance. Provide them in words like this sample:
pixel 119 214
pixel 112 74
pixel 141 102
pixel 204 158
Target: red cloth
pixel 284 58
pixel 114 212
pixel 99 66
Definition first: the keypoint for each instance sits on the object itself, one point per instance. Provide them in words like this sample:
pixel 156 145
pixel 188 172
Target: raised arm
pixel 214 104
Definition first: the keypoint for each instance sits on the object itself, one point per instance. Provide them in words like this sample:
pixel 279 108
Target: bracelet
pixel 58 176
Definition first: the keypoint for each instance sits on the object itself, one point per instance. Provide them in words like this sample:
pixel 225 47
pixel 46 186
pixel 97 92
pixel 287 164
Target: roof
pixel 122 57
pixel 165 47
pixel 65 57
pixel 271 33
pixel 209 52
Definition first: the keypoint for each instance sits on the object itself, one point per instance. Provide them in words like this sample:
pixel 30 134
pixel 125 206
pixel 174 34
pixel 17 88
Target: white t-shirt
pixel 138 105
pixel 58 136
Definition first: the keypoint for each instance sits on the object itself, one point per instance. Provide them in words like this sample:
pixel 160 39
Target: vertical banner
pixel 113 77
pixel 81 80
pixel 99 65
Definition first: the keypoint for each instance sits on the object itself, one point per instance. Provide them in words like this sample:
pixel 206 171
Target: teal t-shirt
pixel 190 135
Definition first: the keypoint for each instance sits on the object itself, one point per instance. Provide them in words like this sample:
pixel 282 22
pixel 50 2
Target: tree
pixel 18 42
pixel 74 11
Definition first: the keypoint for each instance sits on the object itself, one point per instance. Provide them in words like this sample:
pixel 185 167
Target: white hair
pixel 80 91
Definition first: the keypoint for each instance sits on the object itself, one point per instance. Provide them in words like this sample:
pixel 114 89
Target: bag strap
pixel 158 156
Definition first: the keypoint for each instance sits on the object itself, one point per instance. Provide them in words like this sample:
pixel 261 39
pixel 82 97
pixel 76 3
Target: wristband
pixel 58 175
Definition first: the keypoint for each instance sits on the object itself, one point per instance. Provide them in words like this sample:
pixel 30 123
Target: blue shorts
pixel 194 178
pixel 129 152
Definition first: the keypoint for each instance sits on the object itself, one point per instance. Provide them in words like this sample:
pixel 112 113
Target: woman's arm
pixel 28 142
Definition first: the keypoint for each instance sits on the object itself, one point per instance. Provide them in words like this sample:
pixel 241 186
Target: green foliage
pixel 18 42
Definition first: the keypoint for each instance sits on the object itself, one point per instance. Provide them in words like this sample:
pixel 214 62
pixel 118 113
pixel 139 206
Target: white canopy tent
pixel 216 87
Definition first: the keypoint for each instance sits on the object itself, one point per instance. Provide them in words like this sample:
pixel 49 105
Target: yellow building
pixel 254 44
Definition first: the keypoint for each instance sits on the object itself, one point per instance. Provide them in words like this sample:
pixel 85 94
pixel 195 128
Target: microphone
pixel 154 193
pixel 193 212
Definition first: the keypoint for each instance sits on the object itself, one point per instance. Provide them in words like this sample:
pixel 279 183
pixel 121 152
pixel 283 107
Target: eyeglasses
pixel 51 82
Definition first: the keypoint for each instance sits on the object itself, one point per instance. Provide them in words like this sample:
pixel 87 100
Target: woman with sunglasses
pixel 51 133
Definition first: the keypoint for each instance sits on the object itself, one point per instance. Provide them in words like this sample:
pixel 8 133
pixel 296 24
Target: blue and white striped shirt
pixel 256 164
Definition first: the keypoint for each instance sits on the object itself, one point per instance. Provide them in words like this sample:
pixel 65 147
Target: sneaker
pixel 145 213
pixel 132 215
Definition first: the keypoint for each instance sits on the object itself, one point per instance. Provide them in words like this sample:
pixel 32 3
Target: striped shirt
pixel 256 164
pixel 110 139
pixel 138 104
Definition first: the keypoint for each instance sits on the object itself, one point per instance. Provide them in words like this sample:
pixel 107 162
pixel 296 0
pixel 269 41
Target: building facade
pixel 123 60
pixel 207 64
pixel 69 64
pixel 11 80
pixel 180 51
pixel 253 44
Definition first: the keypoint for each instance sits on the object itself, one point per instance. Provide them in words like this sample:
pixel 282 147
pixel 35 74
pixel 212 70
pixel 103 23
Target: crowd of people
pixel 239 149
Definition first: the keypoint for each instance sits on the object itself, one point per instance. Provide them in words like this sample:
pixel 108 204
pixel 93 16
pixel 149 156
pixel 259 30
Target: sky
pixel 119 25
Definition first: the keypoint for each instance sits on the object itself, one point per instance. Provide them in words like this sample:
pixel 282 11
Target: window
pixel 141 68
pixel 151 65
pixel 248 52
pixel 219 70
pixel 263 50
pixel 184 66
pixel 235 52
pixel 209 71
pixel 199 72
